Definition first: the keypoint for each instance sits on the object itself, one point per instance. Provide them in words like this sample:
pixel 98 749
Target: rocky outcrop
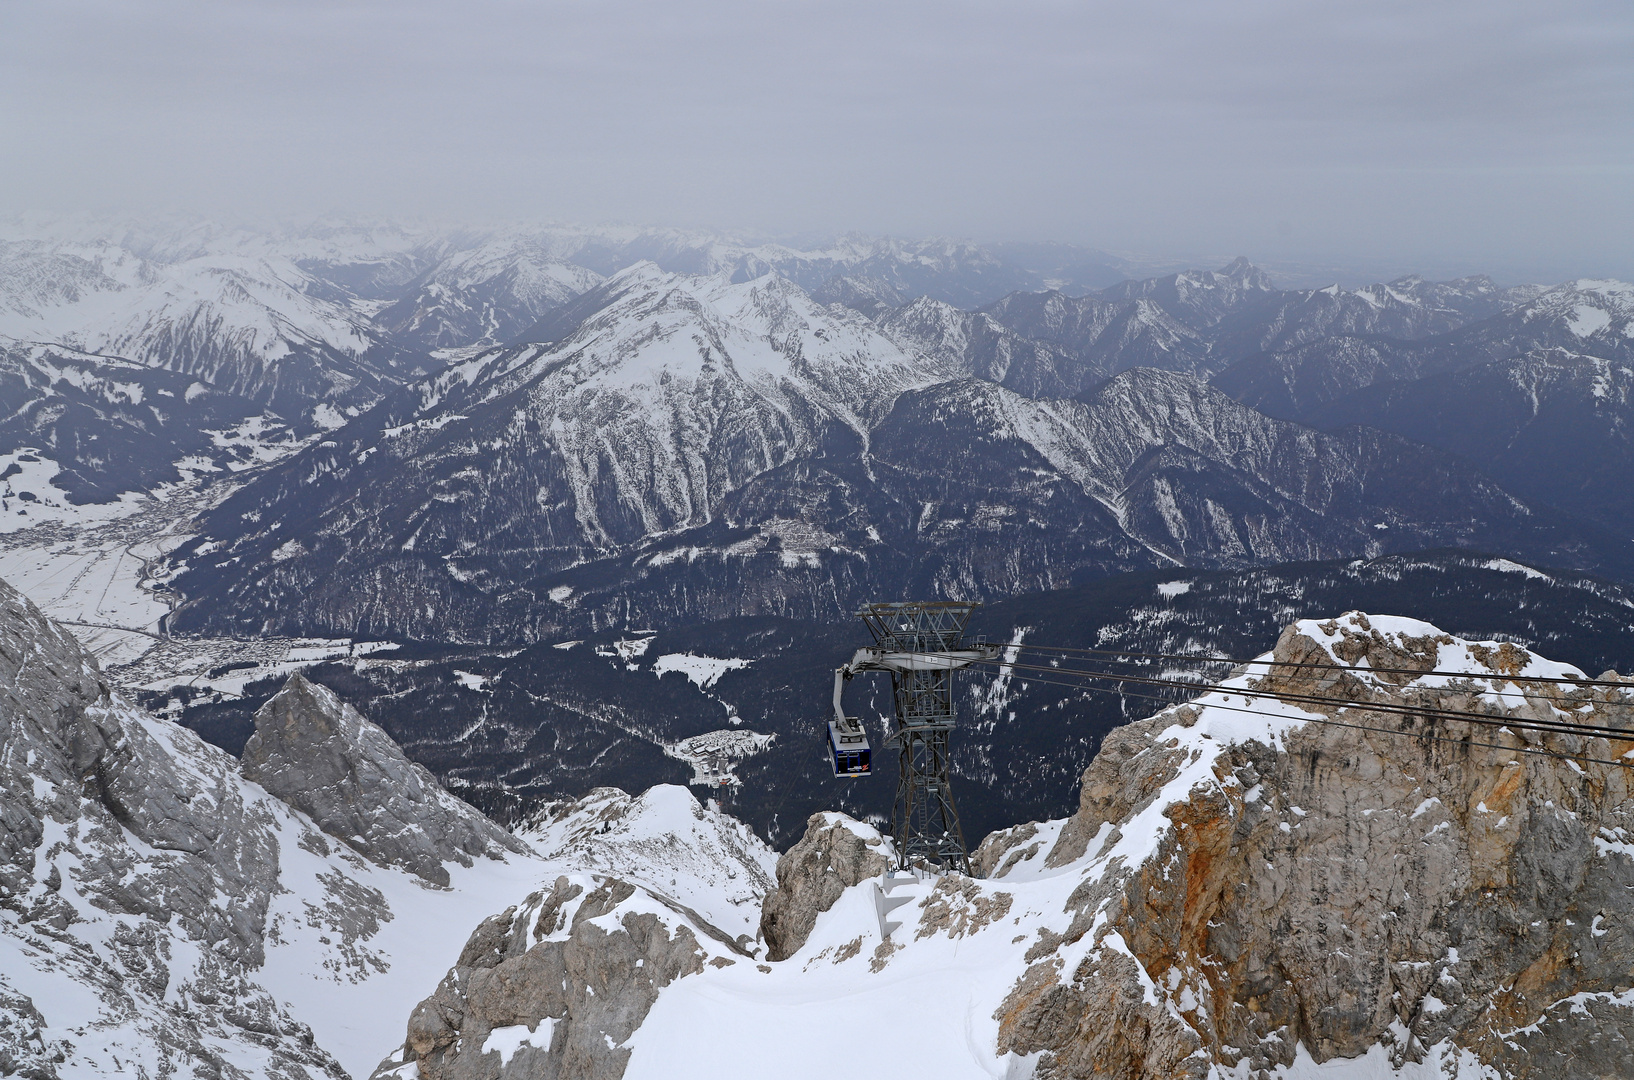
pixel 1257 889
pixel 836 853
pixel 555 987
pixel 655 888
pixel 319 755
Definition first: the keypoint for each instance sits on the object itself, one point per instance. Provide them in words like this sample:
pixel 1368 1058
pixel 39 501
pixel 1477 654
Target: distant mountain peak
pixel 1242 269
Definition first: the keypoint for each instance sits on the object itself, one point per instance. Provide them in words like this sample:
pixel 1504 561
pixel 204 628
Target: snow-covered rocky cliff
pixel 165 914
pixel 162 915
pixel 1245 891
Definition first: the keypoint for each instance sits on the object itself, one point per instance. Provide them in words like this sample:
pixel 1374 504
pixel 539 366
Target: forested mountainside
pixel 702 449
pixel 511 728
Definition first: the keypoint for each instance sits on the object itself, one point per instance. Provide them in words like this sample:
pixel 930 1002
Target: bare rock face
pixel 319 755
pixel 836 853
pixel 1449 897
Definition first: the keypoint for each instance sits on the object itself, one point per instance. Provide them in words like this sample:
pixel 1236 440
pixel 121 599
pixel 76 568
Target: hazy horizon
pixel 1448 140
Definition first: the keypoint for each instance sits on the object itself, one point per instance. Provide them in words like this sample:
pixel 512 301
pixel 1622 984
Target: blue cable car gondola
pixel 848 747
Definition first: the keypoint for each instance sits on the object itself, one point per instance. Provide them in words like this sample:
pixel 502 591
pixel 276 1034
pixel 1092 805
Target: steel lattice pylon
pixel 921 644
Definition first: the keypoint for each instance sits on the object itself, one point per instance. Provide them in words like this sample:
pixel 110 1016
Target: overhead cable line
pixel 1198 658
pixel 1561 726
pixel 1517 693
pixel 1483 719
pixel 1539 751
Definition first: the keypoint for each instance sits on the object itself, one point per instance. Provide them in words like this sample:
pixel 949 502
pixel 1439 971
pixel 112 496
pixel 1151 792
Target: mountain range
pixel 481 444
pixel 405 579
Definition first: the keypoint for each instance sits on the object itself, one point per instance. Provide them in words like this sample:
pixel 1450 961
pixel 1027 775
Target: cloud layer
pixel 1493 133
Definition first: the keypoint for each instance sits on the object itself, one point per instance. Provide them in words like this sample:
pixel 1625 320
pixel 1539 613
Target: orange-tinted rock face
pixel 1345 890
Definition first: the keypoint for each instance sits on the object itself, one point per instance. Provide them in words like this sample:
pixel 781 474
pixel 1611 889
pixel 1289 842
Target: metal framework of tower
pixel 921 644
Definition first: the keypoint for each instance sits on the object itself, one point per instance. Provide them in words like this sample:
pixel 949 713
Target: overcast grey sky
pixel 1483 134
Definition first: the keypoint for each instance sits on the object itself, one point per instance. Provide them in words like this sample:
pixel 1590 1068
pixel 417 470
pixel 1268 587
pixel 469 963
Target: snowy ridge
pixel 667 843
pixel 487 295
pixel 145 311
pixel 1587 308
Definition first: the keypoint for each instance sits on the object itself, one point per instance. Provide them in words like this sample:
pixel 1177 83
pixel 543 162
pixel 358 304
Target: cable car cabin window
pixel 848 748
pixel 851 763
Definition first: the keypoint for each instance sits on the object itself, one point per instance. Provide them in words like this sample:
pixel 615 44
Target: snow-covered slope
pixel 665 842
pixel 162 915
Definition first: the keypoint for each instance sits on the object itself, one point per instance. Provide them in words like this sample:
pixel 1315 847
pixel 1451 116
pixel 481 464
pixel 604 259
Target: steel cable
pixel 1482 719
pixel 1197 658
pixel 1581 758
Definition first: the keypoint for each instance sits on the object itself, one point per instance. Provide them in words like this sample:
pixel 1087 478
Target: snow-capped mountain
pixel 700 449
pixel 1300 374
pixel 245 326
pixel 677 392
pixel 975 343
pixel 1590 316
pixel 1407 309
pixel 1104 336
pixel 1208 321
pixel 486 295
pixel 1200 298
pixel 1536 394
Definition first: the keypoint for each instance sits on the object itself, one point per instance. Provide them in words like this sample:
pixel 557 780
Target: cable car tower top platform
pixel 921 644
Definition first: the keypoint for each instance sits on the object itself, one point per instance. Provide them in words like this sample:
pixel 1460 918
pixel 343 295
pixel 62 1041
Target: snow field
pixel 668 844
pixel 28 499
